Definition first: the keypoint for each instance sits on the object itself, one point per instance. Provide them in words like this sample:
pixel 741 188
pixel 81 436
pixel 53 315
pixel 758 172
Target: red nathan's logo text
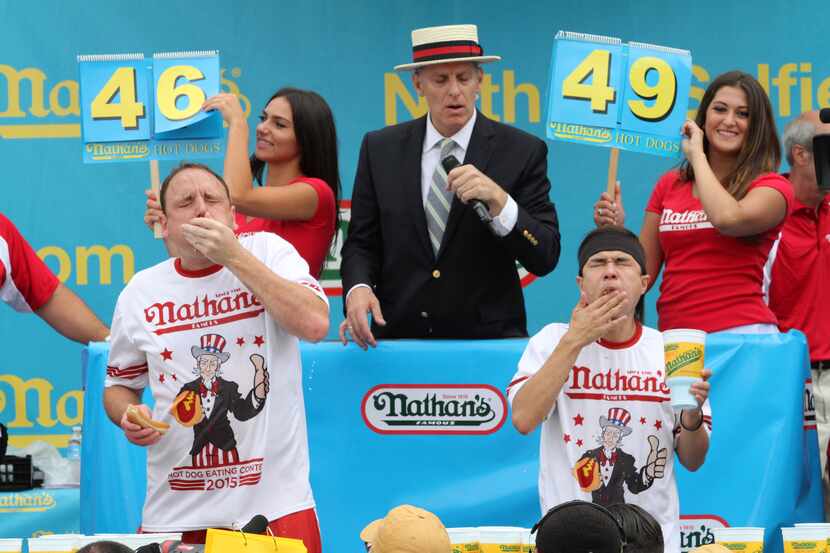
pixel 616 385
pixel 670 217
pixel 203 311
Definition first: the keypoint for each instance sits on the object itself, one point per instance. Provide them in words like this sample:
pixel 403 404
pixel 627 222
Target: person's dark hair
pixel 181 167
pixel 579 527
pixel 612 237
pixel 761 151
pixel 105 547
pixel 316 137
pixel 642 532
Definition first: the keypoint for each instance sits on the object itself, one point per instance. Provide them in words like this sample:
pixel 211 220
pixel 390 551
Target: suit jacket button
pixel 436 274
pixel 424 315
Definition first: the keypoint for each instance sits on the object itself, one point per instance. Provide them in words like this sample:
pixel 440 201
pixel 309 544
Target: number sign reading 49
pixel 632 96
pixel 134 111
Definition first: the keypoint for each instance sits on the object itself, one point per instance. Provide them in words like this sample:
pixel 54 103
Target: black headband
pixel 605 240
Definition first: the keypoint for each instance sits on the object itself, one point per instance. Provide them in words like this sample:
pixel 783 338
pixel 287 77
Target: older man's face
pixel 450 90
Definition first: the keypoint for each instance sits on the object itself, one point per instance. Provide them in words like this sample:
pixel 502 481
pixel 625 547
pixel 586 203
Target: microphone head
pixel 256 525
pixel 449 163
pixel 824 115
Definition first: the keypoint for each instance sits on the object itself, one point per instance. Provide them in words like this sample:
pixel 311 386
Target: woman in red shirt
pixel 713 221
pixel 296 140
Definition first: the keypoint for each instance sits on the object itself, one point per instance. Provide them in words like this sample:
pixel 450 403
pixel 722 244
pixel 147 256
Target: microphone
pixel 449 163
pixel 821 154
pixel 256 525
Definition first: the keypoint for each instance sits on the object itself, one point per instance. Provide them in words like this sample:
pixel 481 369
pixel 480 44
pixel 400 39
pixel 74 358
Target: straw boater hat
pixel 445 44
pixel 407 529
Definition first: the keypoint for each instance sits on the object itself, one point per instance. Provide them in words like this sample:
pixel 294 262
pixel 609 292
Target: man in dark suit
pixel 417 256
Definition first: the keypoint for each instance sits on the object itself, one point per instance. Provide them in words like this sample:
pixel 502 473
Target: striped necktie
pixel 439 199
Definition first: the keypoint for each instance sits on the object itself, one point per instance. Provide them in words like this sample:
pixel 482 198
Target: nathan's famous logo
pixel 27 502
pixel 227 306
pixel 696 530
pixel 434 409
pixel 54 110
pixel 583 133
pixel 682 359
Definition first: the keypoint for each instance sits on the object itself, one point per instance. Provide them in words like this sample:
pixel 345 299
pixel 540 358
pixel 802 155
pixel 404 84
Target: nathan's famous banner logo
pixel 696 530
pixel 27 502
pixel 434 409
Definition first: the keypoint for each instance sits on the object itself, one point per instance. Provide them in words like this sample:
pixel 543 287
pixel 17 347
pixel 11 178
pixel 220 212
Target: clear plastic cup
pixel 464 540
pixel 745 539
pixel 684 355
pixel 500 539
pixel 11 545
pixel 804 539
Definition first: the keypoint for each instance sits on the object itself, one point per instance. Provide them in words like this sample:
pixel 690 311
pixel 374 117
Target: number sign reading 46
pixel 632 96
pixel 125 100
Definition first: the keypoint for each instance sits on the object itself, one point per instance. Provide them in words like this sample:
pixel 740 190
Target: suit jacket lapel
pixel 411 175
pixel 478 155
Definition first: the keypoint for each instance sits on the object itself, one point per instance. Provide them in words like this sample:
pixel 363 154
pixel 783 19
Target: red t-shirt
pixel 311 238
pixel 26 283
pixel 711 281
pixel 799 292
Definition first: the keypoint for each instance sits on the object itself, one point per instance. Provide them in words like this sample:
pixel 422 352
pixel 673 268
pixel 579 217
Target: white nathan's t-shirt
pixel 619 387
pixel 228 454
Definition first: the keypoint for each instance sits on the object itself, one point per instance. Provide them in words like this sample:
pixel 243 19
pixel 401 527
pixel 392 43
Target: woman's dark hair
pixel 316 139
pixel 761 151
pixel 642 532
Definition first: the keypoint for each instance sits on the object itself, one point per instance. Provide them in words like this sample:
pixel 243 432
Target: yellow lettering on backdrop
pixel 783 82
pixel 77 417
pixel 36 79
pixel 82 260
pixel 488 88
pixel 43 390
pixel 104 255
pixel 394 89
pixel 511 91
pixel 73 107
pixel 696 93
pixel 64 263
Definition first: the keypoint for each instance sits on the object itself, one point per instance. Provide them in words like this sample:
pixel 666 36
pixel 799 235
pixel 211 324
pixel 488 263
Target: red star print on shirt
pixel 167 355
pixel 259 341
pixel 642 420
pixel 658 424
pixel 567 438
pixel 578 420
pixel 173 376
pixel 240 341
pixel 161 378
pixel 579 443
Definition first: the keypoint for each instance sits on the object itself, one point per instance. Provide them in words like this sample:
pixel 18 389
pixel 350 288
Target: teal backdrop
pixel 86 220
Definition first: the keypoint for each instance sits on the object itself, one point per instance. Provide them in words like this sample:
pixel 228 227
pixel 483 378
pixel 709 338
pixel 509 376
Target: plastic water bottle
pixel 73 454
pixel 73 451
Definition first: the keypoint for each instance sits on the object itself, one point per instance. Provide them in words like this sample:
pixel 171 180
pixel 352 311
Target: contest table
pixel 425 422
pixel 40 511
